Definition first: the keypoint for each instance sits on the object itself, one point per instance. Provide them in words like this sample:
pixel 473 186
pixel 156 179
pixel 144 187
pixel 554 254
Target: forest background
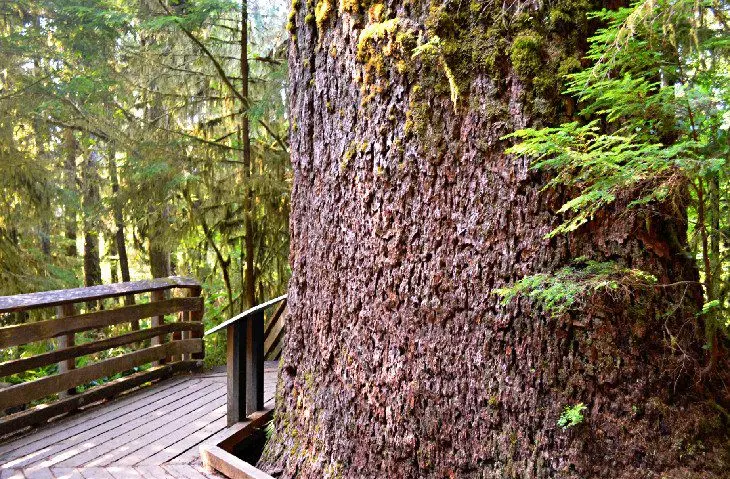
pixel 150 138
pixel 143 138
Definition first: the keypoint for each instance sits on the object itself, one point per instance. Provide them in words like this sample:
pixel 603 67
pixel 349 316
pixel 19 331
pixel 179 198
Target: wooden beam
pixel 38 331
pixel 219 456
pixel 235 371
pixel 157 320
pixel 249 312
pixel 40 388
pixel 24 302
pixel 216 459
pixel 24 364
pixel 39 414
pixel 238 432
pixel 197 316
pixel 255 362
pixel 66 341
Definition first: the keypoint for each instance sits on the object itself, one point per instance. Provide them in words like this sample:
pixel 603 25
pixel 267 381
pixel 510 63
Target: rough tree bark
pixel 400 360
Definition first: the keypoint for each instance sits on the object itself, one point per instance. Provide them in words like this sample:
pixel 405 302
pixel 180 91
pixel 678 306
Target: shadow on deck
pixel 153 432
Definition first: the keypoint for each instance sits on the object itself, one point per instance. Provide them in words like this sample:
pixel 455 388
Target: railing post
pixel 157 321
pixel 197 316
pixel 66 341
pixel 255 362
pixel 235 368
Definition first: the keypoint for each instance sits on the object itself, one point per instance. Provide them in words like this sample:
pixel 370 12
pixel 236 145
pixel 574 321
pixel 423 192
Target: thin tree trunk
pixel 119 236
pixel 249 226
pixel 91 205
pixel 400 360
pixel 70 186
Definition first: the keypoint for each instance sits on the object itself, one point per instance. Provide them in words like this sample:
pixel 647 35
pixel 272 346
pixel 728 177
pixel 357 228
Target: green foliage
pixel 559 291
pixel 601 166
pixel 652 121
pixel 572 416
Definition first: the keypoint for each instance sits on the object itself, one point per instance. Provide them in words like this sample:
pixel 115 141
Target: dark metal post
pixel 236 370
pixel 255 362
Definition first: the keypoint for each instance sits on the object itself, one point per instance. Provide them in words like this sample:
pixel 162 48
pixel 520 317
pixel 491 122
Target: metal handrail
pixel 245 314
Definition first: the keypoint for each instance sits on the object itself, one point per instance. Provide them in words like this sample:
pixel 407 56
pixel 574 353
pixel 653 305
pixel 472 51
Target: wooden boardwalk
pixel 151 433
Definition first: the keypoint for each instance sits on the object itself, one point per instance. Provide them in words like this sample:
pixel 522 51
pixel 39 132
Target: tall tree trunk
pixel 400 359
pixel 40 129
pixel 159 259
pixel 249 293
pixel 92 260
pixel 120 242
pixel 70 186
pixel 45 213
pixel 119 237
pixel 113 262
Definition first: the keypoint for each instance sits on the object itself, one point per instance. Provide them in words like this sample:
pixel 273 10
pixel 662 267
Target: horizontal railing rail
pixel 246 348
pixel 168 346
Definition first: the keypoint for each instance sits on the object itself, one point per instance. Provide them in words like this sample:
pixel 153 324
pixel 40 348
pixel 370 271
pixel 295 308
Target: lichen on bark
pixel 407 215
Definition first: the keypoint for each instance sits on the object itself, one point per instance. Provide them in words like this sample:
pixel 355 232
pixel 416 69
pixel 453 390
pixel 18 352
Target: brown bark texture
pixel 400 361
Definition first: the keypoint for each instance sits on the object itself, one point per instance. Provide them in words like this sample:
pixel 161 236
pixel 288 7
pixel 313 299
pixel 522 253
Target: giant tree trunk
pixel 400 360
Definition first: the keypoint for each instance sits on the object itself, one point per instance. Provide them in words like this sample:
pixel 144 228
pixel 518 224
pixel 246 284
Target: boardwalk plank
pixel 52 454
pixel 79 423
pixel 156 436
pixel 83 430
pixel 38 473
pixel 162 426
pixel 153 472
pixel 184 439
pixel 66 473
pixel 122 472
pixel 184 471
pixel 112 445
pixel 95 473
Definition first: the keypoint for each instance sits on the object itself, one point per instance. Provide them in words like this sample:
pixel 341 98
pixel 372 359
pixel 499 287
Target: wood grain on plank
pixel 216 458
pixel 40 388
pixel 184 471
pixel 11 474
pixel 195 431
pixel 40 330
pixel 24 302
pixel 66 473
pixel 95 473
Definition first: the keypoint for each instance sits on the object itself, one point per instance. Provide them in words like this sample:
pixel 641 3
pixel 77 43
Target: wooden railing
pixel 248 344
pixel 182 352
